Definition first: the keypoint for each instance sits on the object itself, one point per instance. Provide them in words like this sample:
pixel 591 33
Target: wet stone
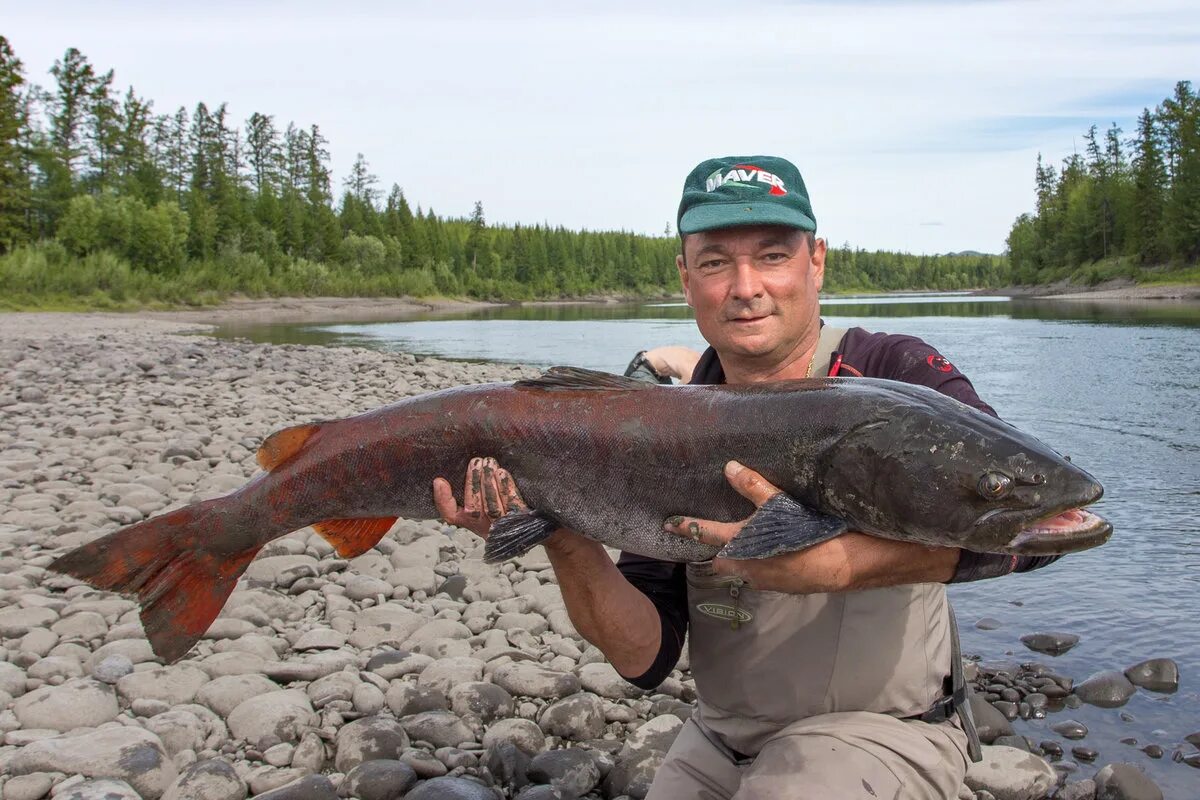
pixel 1070 729
pixel 1107 689
pixel 1156 674
pixel 1084 753
pixel 1054 644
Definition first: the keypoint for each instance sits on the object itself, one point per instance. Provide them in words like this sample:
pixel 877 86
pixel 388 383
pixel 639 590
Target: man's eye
pixel 711 265
pixel 775 258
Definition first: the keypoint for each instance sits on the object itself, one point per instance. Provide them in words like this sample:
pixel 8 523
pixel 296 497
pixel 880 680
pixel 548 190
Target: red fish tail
pixel 180 582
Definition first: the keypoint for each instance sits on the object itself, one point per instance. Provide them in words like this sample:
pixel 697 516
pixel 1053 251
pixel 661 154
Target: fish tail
pixel 181 582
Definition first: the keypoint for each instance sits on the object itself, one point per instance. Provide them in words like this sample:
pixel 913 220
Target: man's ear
pixel 816 262
pixel 681 265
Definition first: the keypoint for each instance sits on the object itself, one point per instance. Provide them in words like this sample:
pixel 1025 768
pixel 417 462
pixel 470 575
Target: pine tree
pixel 14 176
pixel 1149 188
pixel 103 134
pixel 263 151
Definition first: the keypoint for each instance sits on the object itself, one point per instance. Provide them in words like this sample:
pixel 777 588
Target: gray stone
pixel 28 787
pixel 1054 644
pixel 573 771
pixel 445 673
pixel 1107 689
pixel 439 728
pixel 507 764
pixel 12 679
pixel 382 779
pixel 368 739
pixel 211 779
pixel 1070 729
pixel 178 730
pixel 115 751
pixel 226 693
pixel 80 702
pixel 1125 781
pixel 578 718
pixel 172 685
pixel 405 699
pixel 533 680
pixel 310 787
pixel 486 701
pixel 112 668
pixel 452 789
pixel 603 679
pixel 1011 774
pixel 100 789
pixel 279 716
pixel 1077 790
pixel 989 722
pixel 523 733
pixel 1156 674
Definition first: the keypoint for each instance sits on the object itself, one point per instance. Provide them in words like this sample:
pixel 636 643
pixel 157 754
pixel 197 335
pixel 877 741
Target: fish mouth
pixel 1065 532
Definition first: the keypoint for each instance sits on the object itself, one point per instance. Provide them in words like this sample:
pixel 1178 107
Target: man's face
pixel 754 289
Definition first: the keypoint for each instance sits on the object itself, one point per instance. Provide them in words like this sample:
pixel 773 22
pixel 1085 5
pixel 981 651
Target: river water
pixel 1115 385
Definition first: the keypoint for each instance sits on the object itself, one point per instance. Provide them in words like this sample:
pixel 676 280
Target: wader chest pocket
pixel 718 596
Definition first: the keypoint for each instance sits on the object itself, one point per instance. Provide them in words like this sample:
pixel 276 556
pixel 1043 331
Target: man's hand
pixel 847 562
pixel 489 493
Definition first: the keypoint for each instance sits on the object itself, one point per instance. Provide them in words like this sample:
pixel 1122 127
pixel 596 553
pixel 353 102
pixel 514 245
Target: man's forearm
pixel 605 608
pixel 869 562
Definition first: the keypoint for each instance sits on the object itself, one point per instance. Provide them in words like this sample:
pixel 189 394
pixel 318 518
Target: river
pixel 1115 385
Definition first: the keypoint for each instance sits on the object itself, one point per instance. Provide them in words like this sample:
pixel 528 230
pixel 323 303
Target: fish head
pixel 961 479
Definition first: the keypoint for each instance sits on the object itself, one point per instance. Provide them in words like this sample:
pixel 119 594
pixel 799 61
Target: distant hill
pixel 969 253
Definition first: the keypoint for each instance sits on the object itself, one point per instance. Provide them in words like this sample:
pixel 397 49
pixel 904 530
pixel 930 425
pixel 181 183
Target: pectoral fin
pixel 516 533
pixel 782 525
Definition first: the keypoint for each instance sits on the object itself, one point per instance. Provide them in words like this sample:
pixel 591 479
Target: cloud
pixel 589 115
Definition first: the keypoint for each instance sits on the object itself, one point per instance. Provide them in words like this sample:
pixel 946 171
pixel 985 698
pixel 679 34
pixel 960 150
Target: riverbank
pixel 415 658
pixel 1108 290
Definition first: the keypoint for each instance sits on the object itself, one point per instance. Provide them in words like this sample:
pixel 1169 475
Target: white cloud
pixel 590 115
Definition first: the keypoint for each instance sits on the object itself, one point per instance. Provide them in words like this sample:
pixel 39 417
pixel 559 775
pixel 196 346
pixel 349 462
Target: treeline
pixel 1136 200
pixel 103 199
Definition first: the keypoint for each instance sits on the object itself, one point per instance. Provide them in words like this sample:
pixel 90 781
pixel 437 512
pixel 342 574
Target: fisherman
pixel 828 673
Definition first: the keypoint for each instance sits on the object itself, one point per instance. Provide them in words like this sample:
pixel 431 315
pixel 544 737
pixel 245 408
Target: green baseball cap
pixel 744 190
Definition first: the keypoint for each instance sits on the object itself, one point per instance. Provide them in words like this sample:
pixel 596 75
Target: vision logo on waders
pixel 725 613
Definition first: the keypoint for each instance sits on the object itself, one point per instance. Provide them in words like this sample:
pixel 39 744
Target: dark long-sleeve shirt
pixel 861 354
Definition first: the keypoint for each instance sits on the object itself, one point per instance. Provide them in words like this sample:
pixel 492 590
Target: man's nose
pixel 746 280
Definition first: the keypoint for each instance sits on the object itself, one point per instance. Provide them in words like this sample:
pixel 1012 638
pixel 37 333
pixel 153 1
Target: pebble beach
pixel 414 671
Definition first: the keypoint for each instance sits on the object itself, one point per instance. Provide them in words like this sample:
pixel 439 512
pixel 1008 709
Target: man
pixel 820 674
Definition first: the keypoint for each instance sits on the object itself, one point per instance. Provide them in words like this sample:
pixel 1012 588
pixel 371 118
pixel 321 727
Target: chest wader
pixel 763 660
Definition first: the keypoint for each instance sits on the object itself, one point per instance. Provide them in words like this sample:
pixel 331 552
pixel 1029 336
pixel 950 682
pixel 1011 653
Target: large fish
pixel 612 457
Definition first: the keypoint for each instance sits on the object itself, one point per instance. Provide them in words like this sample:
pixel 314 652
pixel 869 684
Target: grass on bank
pixel 44 277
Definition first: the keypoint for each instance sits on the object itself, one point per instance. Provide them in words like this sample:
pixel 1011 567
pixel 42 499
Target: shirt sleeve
pixel 909 359
pixel 665 584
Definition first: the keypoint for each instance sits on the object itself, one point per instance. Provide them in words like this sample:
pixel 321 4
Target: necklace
pixel 812 362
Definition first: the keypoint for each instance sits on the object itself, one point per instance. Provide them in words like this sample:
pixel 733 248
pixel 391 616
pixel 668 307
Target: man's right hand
pixel 489 492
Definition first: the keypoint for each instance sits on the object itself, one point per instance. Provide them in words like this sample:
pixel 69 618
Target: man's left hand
pixel 846 562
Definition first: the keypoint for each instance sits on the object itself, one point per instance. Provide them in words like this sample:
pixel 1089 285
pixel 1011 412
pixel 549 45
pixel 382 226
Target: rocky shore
pixel 414 671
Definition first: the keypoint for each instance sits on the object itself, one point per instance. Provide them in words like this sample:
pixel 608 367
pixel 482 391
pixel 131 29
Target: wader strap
pixel 827 345
pixel 962 692
pixel 958 700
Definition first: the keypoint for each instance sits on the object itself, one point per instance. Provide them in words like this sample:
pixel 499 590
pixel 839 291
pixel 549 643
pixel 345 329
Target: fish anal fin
pixel 353 537
pixel 578 378
pixel 282 445
pixel 782 525
pixel 515 534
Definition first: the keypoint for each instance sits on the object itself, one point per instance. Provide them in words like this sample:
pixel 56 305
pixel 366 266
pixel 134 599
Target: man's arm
pixel 849 562
pixel 605 608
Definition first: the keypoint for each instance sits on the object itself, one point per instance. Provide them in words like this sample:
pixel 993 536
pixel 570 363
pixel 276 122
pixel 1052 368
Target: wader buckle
pixel 944 707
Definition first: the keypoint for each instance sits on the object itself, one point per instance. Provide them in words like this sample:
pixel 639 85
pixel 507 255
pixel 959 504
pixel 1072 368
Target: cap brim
pixel 712 216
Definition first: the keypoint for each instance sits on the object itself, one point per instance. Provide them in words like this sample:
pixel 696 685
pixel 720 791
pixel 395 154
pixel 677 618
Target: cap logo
pixel 745 175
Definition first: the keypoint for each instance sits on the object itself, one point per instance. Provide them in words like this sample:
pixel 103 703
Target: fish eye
pixel 994 485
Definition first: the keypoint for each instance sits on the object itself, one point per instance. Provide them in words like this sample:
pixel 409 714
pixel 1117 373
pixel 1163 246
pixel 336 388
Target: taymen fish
pixel 612 457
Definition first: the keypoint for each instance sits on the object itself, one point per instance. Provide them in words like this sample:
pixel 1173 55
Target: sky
pixel 916 125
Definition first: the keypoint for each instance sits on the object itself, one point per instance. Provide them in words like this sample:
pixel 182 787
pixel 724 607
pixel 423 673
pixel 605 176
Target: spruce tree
pixel 14 176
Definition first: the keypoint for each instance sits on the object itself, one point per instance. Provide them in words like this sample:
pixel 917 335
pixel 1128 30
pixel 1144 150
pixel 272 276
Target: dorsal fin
pixel 353 537
pixel 282 445
pixel 580 378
